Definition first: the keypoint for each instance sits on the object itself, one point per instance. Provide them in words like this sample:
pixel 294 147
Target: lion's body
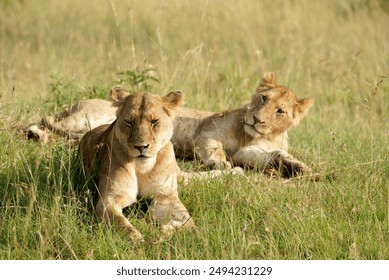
pixel 83 116
pixel 253 136
pixel 78 119
pixel 135 157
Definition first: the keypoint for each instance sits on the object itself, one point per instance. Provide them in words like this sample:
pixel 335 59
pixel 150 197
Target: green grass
pixel 56 52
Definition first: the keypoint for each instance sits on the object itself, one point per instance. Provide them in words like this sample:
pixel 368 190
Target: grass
pixel 53 53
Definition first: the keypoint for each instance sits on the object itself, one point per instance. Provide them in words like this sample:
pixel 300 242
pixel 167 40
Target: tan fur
pixel 134 157
pixel 254 135
pixel 78 119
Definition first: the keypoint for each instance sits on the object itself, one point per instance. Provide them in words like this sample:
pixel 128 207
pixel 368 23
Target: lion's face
pixel 144 124
pixel 274 109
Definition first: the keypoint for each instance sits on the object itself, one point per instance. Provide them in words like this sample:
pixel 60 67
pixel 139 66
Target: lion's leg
pixel 211 153
pixel 113 197
pixel 255 157
pixel 251 156
pixel 112 212
pixel 70 125
pixel 186 177
pixel 169 211
pixel 72 122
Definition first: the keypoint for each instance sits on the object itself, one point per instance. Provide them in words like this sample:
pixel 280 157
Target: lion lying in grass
pixel 134 157
pixel 254 136
pixel 80 118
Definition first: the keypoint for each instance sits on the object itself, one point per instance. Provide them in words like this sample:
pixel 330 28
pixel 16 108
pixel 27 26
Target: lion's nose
pixel 141 147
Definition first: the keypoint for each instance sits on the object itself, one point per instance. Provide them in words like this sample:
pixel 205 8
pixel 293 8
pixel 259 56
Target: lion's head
pixel 144 125
pixel 274 109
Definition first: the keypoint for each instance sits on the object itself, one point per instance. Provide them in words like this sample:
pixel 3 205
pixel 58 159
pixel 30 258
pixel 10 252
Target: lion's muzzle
pixel 141 150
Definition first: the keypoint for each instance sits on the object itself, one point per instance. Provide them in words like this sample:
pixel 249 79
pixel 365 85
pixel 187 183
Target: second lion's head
pixel 274 109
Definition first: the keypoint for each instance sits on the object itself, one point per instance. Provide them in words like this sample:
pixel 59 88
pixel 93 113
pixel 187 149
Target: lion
pixel 254 136
pixel 133 156
pixel 78 119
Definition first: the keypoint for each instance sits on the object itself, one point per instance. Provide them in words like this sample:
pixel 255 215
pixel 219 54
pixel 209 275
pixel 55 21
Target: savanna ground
pixel 53 53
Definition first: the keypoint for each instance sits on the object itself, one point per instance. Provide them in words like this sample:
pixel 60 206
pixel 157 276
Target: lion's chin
pixel 144 164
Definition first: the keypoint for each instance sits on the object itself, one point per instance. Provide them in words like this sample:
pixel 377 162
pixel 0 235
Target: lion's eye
pixel 264 98
pixel 280 111
pixel 154 122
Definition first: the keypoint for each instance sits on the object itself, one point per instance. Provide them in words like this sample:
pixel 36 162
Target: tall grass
pixel 55 52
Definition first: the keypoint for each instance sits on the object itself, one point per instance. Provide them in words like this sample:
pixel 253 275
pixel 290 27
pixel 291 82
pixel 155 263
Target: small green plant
pixel 62 91
pixel 138 79
pixel 65 92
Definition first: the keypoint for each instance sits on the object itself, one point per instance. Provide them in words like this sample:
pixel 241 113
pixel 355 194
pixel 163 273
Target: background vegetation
pixel 55 52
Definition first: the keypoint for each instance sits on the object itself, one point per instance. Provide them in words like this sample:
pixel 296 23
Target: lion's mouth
pixel 138 155
pixel 142 156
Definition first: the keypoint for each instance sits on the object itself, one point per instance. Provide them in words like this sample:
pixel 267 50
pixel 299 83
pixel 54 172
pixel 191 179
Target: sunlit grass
pixel 53 53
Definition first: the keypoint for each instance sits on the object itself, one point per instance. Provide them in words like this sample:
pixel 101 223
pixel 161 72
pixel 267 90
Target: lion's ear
pixel 118 96
pixel 173 99
pixel 268 81
pixel 117 93
pixel 301 109
pixel 120 104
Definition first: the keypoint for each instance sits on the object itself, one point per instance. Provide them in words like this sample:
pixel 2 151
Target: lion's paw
pixel 287 165
pixel 135 235
pixel 237 171
pixel 215 165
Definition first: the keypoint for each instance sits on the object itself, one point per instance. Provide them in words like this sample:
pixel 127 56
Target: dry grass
pixel 52 52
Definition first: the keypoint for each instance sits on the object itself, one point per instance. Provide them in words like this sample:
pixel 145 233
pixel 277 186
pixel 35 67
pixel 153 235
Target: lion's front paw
pixel 287 165
pixel 292 167
pixel 174 225
pixel 237 171
pixel 135 235
pixel 214 165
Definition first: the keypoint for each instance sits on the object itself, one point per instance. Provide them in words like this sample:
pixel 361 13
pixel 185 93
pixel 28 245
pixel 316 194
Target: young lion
pixel 255 136
pixel 134 157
